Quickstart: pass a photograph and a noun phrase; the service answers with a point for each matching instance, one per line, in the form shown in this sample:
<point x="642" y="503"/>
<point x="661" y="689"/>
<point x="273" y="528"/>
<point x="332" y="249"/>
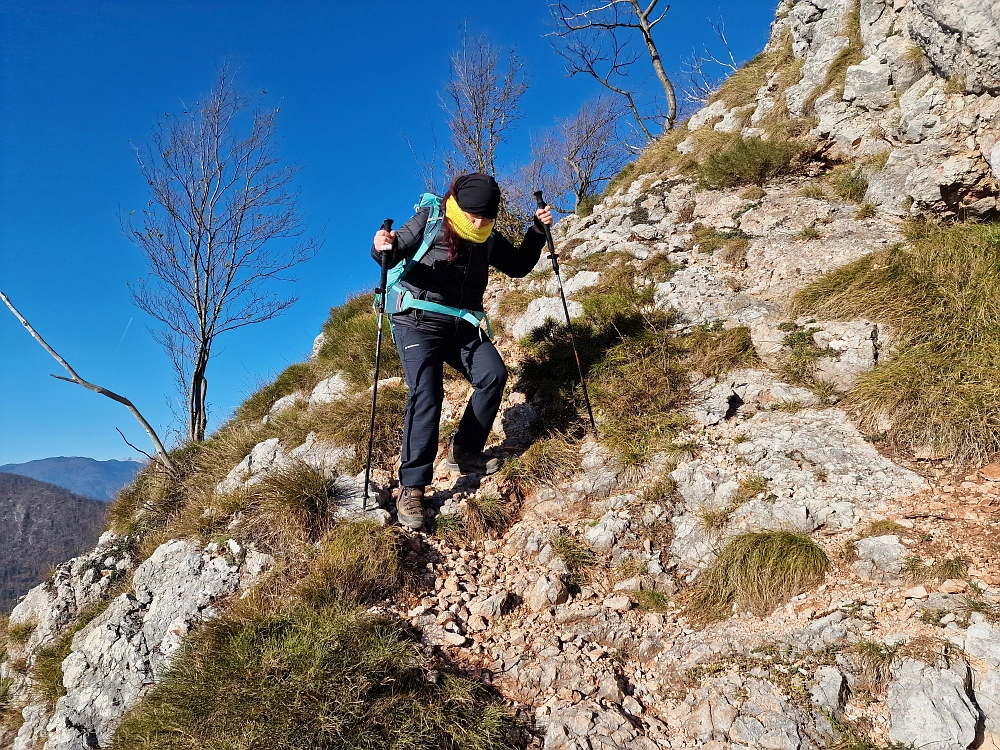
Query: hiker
<point x="438" y="319"/>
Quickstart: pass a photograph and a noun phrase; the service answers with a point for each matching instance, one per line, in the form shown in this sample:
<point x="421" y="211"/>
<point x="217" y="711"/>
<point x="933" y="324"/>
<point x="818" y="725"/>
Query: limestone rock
<point x="961" y="38"/>
<point x="880" y="558"/>
<point x="546" y="592"/>
<point x="119" y="656"/>
<point x="542" y="309"/>
<point x="332" y="389"/>
<point x="930" y="708"/>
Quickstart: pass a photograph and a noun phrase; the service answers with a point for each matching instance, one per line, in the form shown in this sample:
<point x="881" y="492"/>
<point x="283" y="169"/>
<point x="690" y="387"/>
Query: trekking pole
<point x="380" y="291"/>
<point x="569" y="326"/>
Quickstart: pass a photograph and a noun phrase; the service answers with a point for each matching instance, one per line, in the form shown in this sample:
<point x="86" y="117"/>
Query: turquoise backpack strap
<point x="431" y="229"/>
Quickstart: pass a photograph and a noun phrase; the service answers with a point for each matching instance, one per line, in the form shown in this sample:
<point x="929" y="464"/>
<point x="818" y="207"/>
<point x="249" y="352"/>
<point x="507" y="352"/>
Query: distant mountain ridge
<point x="83" y="476"/>
<point x="42" y="525"/>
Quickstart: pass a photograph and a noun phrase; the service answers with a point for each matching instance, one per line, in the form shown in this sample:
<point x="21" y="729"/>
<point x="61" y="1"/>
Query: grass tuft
<point x="311" y="678"/>
<point x="758" y="571"/>
<point x="850" y="185"/>
<point x="546" y="459"/>
<point x="349" y="344"/>
<point x="748" y="161"/>
<point x="939" y="389"/>
<point x="358" y="563"/>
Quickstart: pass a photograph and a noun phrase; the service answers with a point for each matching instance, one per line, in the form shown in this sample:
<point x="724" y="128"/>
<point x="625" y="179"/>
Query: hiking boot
<point x="410" y="507"/>
<point x="470" y="463"/>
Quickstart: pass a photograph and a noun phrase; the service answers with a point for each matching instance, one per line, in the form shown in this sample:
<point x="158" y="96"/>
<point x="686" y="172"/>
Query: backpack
<point x="406" y="300"/>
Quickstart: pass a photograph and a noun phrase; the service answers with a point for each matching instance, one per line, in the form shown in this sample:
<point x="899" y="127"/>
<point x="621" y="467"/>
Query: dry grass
<point x="940" y="387"/>
<point x="546" y="459"/>
<point x="18" y="633"/>
<point x="866" y="211"/>
<point x="487" y="515"/>
<point x="881" y="527"/>
<point x="714" y="351"/>
<point x="809" y="232"/>
<point x="578" y="559"/>
<point x="345" y="423"/>
<point x="758" y="571"/>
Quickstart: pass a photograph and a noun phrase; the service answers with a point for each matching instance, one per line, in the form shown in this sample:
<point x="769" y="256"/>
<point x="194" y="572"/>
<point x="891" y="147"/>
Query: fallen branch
<point x="161" y="452"/>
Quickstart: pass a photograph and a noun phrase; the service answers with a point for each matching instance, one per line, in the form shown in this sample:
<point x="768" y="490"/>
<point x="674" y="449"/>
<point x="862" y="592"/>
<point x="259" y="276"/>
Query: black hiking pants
<point x="426" y="342"/>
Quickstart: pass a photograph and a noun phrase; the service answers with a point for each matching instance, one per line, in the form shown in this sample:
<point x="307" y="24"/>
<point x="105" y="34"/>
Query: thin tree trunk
<point x="647" y="35"/>
<point x="161" y="452"/>
<point x="197" y="403"/>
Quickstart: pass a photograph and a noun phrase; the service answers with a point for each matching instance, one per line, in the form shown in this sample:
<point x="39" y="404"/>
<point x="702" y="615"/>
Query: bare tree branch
<point x="599" y="40"/>
<point x="482" y="101"/>
<point x="161" y="452"/>
<point x="701" y="82"/>
<point x="221" y="224"/>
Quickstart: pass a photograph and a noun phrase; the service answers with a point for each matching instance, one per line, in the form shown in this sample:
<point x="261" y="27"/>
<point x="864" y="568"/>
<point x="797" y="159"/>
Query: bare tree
<point x="482" y="102"/>
<point x="600" y="40"/>
<point x="222" y="222"/>
<point x="575" y="159"/>
<point x="161" y="453"/>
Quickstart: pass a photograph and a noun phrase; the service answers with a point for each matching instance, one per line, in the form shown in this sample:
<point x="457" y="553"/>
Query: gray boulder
<point x="880" y="558"/>
<point x="930" y="709"/>
<point x="542" y="309"/>
<point x="961" y="38"/>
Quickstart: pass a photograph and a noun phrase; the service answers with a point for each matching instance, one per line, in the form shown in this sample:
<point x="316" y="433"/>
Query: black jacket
<point x="462" y="282"/>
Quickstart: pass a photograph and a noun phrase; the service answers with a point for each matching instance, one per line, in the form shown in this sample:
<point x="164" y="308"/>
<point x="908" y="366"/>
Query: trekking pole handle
<point x="384" y="252"/>
<point x="548" y="232"/>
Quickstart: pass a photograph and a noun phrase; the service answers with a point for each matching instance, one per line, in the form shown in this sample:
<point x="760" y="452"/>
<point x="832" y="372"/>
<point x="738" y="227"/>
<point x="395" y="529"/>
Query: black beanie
<point x="478" y="194"/>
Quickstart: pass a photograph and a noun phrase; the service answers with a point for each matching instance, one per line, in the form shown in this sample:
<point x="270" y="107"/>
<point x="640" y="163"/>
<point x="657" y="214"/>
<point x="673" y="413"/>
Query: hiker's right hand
<point x="383" y="238"/>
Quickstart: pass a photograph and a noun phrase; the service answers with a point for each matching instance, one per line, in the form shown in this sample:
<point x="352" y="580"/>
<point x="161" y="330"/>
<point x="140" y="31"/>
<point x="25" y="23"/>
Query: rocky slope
<point x="43" y="524"/>
<point x="581" y="610"/>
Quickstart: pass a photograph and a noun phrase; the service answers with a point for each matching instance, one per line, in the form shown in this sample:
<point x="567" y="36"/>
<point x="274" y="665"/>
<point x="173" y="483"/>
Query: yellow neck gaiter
<point x="463" y="225"/>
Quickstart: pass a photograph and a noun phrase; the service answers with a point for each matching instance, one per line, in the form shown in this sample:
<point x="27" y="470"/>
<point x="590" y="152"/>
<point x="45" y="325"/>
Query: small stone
<point x="953" y="586"/>
<point x="618" y="603"/>
<point x="990" y="472"/>
<point x="917" y="592"/>
<point x="631" y="705"/>
<point x="453" y="639"/>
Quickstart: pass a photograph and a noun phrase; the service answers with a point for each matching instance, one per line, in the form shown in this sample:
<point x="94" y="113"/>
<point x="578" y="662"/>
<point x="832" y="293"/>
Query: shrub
<point x="310" y="678"/>
<point x="940" y="387"/>
<point x="749" y="161"/>
<point x="758" y="570"/>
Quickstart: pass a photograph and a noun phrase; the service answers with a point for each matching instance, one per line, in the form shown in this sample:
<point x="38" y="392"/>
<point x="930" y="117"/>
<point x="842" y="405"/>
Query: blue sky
<point x="79" y="81"/>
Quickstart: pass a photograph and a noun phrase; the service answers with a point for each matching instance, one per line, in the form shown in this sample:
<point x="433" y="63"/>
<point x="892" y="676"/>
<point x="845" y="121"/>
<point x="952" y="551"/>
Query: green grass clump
<point x="850" y="185"/>
<point x="359" y="562"/>
<point x="349" y="344"/>
<point x="652" y="601"/>
<point x="307" y="678"/>
<point x="578" y="558"/>
<point x="487" y="515"/>
<point x="749" y="161"/>
<point x="866" y="211"/>
<point x="759" y="571"/>
<point x="939" y="387"/>
<point x="544" y="460"/>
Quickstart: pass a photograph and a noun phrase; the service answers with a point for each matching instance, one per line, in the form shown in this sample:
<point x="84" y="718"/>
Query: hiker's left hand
<point x="544" y="215"/>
